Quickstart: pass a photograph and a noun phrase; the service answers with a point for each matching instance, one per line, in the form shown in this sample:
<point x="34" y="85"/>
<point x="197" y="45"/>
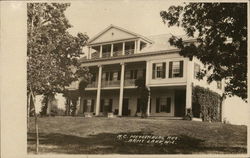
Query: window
<point x="106" y="105"/>
<point x="175" y="69"/>
<point x="88" y="105"/>
<point x="133" y="74"/>
<point x="159" y="70"/>
<point x="163" y="105"/>
<point x="93" y="79"/>
<point x="219" y="85"/>
<point x="108" y="76"/>
<point x="196" y="70"/>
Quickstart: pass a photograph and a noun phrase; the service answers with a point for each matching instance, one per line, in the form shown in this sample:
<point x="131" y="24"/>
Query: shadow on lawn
<point x="107" y="143"/>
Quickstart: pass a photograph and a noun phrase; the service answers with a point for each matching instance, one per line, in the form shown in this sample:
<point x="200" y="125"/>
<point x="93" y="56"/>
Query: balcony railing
<point x="111" y="83"/>
<point x="117" y="53"/>
<point x="106" y="54"/>
<point x="129" y="82"/>
<point x="92" y="85"/>
<point x="95" y="55"/>
<point x="129" y="51"/>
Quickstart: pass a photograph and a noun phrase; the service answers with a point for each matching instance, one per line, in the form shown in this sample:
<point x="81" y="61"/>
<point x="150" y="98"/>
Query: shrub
<point x="206" y="104"/>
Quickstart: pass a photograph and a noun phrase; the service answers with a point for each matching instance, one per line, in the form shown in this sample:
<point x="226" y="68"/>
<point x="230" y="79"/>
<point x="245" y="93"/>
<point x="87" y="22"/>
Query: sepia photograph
<point x="142" y="77"/>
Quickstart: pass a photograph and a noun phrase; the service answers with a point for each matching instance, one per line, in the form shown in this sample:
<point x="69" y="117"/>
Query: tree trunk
<point x="28" y="110"/>
<point x="36" y="124"/>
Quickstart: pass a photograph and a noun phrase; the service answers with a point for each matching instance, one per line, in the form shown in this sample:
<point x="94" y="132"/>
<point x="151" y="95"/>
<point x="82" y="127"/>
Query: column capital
<point x="99" y="65"/>
<point x="122" y="63"/>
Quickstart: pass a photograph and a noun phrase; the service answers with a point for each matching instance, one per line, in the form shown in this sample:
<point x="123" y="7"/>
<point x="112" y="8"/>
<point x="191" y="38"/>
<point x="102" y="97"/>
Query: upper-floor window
<point x="196" y="70"/>
<point x="175" y="69"/>
<point x="112" y="76"/>
<point x="159" y="70"/>
<point x="133" y="74"/>
<point x="93" y="79"/>
<point x="116" y="76"/>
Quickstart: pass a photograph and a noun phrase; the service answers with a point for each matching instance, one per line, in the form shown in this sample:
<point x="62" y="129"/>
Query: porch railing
<point x="106" y="54"/>
<point x="117" y="53"/>
<point x="129" y="82"/>
<point x="92" y="85"/>
<point x="129" y="51"/>
<point x="111" y="83"/>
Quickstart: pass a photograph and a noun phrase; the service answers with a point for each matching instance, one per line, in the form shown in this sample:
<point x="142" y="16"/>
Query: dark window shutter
<point x="93" y="77"/>
<point x="107" y="76"/>
<point x="131" y="74"/>
<point x="170" y="69"/>
<point x="144" y="73"/>
<point x="181" y="68"/>
<point x="153" y="72"/>
<point x="101" y="108"/>
<point x="157" y="105"/>
<point x="168" y="104"/>
<point x="150" y="105"/>
<point x="163" y="70"/>
<point x="119" y="75"/>
<point x="84" y="105"/>
<point x="110" y="105"/>
<point x="135" y="75"/>
<point x="111" y="76"/>
<point x="92" y="105"/>
<point x="81" y="106"/>
<point x="138" y="105"/>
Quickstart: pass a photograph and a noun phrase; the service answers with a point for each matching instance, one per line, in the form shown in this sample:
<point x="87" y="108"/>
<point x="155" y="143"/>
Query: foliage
<point x="143" y="94"/>
<point x="209" y="103"/>
<point x="53" y="53"/>
<point x="220" y="30"/>
<point x="189" y="115"/>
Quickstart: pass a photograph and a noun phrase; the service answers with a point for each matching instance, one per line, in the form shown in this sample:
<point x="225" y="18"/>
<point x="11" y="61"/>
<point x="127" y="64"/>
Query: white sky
<point x="139" y="16"/>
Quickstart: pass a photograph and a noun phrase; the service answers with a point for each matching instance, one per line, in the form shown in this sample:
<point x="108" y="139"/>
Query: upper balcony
<point x="115" y="49"/>
<point x="114" y="42"/>
<point x="111" y="75"/>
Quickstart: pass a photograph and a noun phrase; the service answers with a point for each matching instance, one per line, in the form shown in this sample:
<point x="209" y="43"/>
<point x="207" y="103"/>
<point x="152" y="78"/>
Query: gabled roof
<point x="121" y="29"/>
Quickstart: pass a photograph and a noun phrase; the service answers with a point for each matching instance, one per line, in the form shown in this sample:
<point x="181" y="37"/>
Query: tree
<point x="52" y="52"/>
<point x="143" y="95"/>
<point x="220" y="30"/>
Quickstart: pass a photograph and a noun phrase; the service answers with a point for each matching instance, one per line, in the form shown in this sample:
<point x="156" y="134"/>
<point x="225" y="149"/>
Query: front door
<point x="180" y="101"/>
<point x="125" y="110"/>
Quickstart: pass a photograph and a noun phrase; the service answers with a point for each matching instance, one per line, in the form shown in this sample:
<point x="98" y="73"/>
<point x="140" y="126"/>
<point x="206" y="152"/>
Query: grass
<point x="78" y="135"/>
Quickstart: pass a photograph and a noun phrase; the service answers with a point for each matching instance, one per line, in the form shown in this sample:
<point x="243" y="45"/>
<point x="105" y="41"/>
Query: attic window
<point x="112" y="33"/>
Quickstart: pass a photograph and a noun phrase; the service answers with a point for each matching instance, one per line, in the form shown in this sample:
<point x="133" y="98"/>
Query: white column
<point x="98" y="96"/>
<point x="78" y="106"/>
<point x="189" y="84"/>
<point x="89" y="54"/>
<point x="123" y="48"/>
<point x="121" y="88"/>
<point x="138" y="45"/>
<point x="100" y="51"/>
<point x="148" y="72"/>
<point x="112" y="49"/>
<point x="135" y="49"/>
<point x="148" y="107"/>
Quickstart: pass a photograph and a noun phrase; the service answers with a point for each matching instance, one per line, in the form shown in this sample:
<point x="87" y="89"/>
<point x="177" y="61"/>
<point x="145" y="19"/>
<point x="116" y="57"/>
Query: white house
<point x="117" y="57"/>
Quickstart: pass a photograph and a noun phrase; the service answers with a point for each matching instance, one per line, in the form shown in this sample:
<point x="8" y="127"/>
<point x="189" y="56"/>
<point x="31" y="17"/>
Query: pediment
<point x="112" y="33"/>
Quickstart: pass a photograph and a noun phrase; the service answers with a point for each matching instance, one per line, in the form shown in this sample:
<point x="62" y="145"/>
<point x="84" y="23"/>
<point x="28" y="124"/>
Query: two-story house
<point x="117" y="57"/>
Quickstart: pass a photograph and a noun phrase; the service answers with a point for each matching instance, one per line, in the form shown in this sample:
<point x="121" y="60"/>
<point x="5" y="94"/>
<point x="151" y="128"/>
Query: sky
<point x="139" y="16"/>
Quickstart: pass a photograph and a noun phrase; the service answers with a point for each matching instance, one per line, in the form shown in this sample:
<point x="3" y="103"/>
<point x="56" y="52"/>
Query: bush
<point x="206" y="104"/>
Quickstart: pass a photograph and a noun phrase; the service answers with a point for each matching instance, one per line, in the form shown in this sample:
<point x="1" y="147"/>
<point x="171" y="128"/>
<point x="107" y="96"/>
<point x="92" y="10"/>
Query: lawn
<point x="78" y="135"/>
